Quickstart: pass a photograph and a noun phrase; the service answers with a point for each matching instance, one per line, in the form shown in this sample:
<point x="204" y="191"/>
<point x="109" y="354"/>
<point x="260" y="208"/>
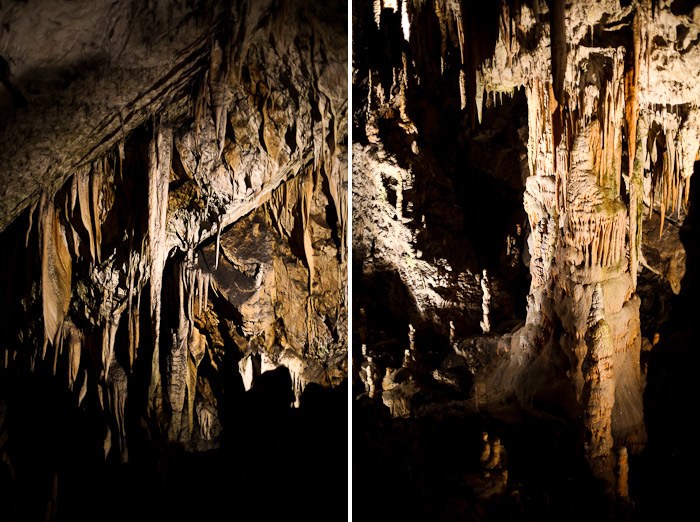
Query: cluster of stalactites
<point x="70" y="230"/>
<point x="670" y="148"/>
<point x="187" y="348"/>
<point x="292" y="199"/>
<point x="70" y="233"/>
<point x="599" y="237"/>
<point x="607" y="148"/>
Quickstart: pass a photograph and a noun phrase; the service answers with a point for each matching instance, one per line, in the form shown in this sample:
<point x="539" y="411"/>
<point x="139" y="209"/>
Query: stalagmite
<point x="117" y="385"/>
<point x="245" y="368"/>
<point x="485" y="303"/>
<point x="599" y="392"/>
<point x="621" y="487"/>
<point x="369" y="375"/>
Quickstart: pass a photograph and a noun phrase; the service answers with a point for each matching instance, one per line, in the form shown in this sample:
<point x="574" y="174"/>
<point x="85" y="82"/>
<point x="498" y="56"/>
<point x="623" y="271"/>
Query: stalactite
<point x="56" y="272"/>
<point x="541" y="150"/>
<point x="83" y="389"/>
<point x="117" y="246"/>
<point x="558" y="48"/>
<point x="295" y="365"/>
<point x="136" y="267"/>
<point x="667" y="161"/>
<point x="71" y="202"/>
<point x="609" y="154"/>
<point x="109" y="336"/>
<point x="633" y="150"/>
<point x="160" y="150"/>
<point x="218" y="245"/>
<point x="96" y="182"/>
<point x="84" y="201"/>
<point x="377" y="8"/>
<point x="600" y="233"/>
<point x="405" y="21"/>
<point x="220" y="87"/>
<point x="205" y="418"/>
<point x="117" y="389"/>
<point x="74" y="339"/>
<point x="32" y="210"/>
<point x="306" y="202"/>
<point x="188" y="345"/>
<point x="463" y="91"/>
<point x="266" y="363"/>
<point x="338" y="189"/>
<point x="479" y="94"/>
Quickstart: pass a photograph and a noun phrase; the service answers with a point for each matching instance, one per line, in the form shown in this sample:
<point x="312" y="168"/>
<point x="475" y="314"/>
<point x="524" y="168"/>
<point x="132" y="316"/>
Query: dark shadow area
<point x="276" y="461"/>
<point x="428" y="468"/>
<point x="662" y="479"/>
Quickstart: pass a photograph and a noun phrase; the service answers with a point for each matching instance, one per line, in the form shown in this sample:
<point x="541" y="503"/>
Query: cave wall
<point x="174" y="201"/>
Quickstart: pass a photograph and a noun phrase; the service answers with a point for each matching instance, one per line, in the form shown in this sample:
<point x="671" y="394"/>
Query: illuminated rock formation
<point x="603" y="156"/>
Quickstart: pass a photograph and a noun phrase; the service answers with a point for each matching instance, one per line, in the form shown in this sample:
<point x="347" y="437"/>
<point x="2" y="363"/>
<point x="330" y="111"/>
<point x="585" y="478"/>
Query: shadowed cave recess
<point x="524" y="256"/>
<point x="173" y="187"/>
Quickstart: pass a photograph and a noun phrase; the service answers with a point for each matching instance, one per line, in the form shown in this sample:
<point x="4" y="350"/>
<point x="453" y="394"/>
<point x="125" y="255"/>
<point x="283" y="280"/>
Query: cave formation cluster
<point x="582" y="118"/>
